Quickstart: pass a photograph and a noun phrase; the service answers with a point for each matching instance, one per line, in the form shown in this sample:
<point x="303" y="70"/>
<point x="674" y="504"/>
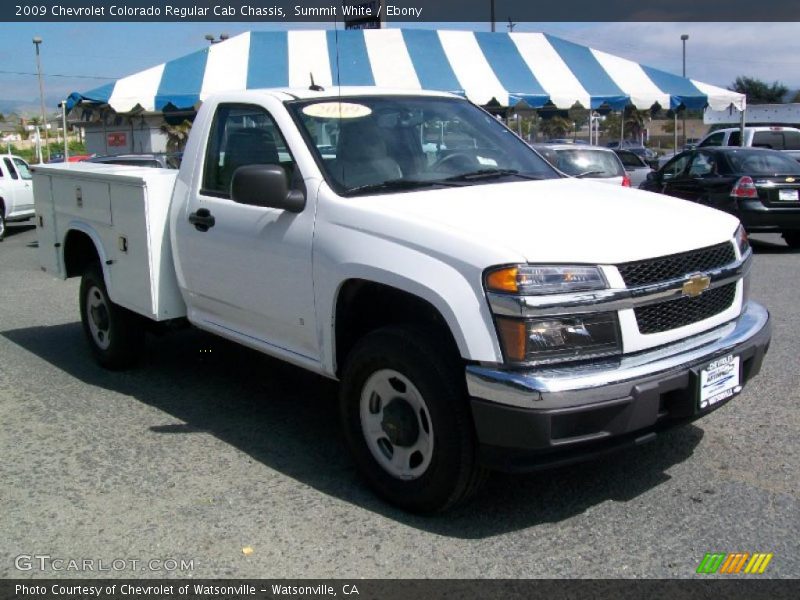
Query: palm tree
<point x="176" y="135"/>
<point x="556" y="127"/>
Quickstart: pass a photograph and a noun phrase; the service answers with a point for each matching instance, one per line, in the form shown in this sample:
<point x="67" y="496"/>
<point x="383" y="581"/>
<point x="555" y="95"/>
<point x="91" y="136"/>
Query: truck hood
<point x="563" y="220"/>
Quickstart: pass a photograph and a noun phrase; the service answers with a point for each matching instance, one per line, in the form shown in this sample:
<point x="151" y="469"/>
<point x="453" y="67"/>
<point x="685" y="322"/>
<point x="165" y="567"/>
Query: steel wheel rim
<point x="98" y="318"/>
<point x="406" y="460"/>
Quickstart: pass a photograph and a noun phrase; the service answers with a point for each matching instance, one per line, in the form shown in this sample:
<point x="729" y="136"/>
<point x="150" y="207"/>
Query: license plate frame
<point x="718" y="381"/>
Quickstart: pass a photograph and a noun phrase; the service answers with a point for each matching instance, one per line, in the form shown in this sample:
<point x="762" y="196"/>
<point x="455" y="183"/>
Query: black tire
<point x="2" y="223"/>
<point x="118" y="337"/>
<point x="452" y="473"/>
<point x="792" y="239"/>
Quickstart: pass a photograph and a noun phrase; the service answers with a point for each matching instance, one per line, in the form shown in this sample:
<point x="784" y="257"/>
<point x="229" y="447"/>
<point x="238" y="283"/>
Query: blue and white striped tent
<point x="509" y="68"/>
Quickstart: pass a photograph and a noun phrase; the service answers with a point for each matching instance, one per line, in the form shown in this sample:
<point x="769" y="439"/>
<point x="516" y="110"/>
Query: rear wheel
<point x="115" y="334"/>
<point x="407" y="422"/>
<point x="792" y="238"/>
<point x="2" y="223"/>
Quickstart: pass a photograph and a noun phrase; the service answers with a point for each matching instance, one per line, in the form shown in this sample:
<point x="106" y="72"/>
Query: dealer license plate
<point x="787" y="195"/>
<point x="719" y="381"/>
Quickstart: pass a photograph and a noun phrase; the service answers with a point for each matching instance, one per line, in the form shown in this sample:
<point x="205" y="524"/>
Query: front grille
<point x="655" y="270"/>
<point x="672" y="314"/>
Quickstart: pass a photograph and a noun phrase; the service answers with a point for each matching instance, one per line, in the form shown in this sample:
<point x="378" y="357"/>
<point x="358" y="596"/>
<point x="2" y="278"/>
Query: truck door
<point x="18" y="190"/>
<point x="673" y="173"/>
<point x="248" y="268"/>
<point x="24" y="197"/>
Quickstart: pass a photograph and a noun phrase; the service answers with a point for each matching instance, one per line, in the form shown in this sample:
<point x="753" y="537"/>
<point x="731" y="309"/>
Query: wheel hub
<point x="100" y="316"/>
<point x="400" y="423"/>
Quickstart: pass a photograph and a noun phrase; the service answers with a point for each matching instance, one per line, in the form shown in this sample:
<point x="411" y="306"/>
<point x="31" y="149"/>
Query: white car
<point x="590" y="162"/>
<point x="16" y="191"/>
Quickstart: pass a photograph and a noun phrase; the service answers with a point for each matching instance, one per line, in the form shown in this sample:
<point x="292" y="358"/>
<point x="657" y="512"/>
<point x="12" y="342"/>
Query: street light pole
<point x="684" y="37"/>
<point x="36" y="42"/>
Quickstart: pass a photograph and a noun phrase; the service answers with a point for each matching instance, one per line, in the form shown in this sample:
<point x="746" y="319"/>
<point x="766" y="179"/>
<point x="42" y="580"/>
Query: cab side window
<point x="23" y="169"/>
<point x="675" y="167"/>
<point x="11" y="170"/>
<point x="242" y="135"/>
<point x="715" y="139"/>
<point x="702" y="165"/>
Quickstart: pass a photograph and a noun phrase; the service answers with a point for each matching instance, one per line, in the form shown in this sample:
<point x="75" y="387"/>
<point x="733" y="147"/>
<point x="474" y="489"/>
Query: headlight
<point x="559" y="339"/>
<point x="544" y="279"/>
<point x="741" y="240"/>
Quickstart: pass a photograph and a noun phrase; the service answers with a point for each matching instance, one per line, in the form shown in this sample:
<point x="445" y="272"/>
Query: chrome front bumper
<point x="551" y="408"/>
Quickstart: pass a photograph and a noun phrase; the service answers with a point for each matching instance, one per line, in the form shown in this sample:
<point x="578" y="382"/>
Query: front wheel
<point x="407" y="422"/>
<point x="115" y="334"/>
<point x="792" y="239"/>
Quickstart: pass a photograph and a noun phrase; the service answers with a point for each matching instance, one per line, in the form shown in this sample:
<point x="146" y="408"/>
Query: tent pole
<point x="741" y="126"/>
<point x="64" y="121"/>
<point x="621" y="127"/>
<point x="675" y="130"/>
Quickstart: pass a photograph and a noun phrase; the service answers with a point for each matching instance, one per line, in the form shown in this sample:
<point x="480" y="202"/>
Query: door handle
<point x="202" y="219"/>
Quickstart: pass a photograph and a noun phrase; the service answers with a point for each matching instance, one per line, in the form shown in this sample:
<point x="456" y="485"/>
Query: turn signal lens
<point x="512" y="338"/>
<point x="503" y="280"/>
<point x="741" y="240"/>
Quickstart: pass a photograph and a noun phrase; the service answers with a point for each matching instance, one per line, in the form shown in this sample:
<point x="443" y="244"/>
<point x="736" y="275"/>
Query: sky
<point x="82" y="56"/>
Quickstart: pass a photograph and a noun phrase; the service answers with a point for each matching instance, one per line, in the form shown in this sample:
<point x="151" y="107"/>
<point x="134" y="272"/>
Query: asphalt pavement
<point x="232" y="463"/>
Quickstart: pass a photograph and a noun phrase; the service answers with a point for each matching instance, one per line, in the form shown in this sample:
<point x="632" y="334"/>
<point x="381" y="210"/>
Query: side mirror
<point x="651" y="176"/>
<point x="265" y="185"/>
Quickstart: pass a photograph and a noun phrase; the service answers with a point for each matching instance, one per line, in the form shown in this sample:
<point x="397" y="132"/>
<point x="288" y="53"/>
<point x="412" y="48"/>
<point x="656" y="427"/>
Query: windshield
<point x="380" y="143"/>
<point x="758" y="162"/>
<point x="588" y="162"/>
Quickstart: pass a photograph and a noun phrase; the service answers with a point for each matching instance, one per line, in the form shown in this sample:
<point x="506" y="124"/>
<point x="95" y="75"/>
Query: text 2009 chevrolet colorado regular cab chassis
<point x="480" y="309"/>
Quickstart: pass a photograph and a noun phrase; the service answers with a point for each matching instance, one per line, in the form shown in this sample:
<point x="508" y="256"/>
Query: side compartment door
<point x="248" y="268"/>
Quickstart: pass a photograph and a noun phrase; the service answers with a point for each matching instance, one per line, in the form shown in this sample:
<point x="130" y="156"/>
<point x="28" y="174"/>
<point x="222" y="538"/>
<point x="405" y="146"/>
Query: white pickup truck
<point x="480" y="309"/>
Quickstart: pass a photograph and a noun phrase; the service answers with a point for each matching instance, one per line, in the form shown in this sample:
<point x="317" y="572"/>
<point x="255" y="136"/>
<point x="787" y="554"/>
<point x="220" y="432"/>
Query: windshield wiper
<point x="587" y="173"/>
<point x="490" y="174"/>
<point x="396" y="184"/>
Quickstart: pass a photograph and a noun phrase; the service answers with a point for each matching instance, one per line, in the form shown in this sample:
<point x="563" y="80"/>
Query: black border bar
<point x="400" y="11"/>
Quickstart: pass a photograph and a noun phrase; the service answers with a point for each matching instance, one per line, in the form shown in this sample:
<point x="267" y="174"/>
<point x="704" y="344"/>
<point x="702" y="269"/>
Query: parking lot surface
<point x="209" y="448"/>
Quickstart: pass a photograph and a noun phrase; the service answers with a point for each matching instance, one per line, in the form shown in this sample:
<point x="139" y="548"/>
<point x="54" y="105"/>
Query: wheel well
<point x="2" y="205"/>
<point x="79" y="253"/>
<point x="363" y="306"/>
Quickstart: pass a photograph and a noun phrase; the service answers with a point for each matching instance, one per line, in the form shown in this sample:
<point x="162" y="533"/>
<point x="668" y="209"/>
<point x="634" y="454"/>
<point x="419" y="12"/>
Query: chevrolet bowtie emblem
<point x="790" y="180"/>
<point x="696" y="285"/>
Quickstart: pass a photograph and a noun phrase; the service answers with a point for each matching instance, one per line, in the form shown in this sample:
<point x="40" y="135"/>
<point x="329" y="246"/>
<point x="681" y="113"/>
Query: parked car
<point x="761" y="187"/>
<point x="16" y="191"/>
<point x="72" y="158"/>
<point x="774" y="137"/>
<point x="156" y="160"/>
<point x="635" y="166"/>
<point x="567" y="141"/>
<point x="590" y="162"/>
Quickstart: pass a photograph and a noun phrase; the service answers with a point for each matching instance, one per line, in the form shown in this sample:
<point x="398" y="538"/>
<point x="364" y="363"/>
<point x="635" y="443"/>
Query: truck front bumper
<point x="527" y="420"/>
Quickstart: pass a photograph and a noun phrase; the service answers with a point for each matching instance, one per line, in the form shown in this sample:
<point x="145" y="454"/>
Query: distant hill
<point x="28" y="107"/>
